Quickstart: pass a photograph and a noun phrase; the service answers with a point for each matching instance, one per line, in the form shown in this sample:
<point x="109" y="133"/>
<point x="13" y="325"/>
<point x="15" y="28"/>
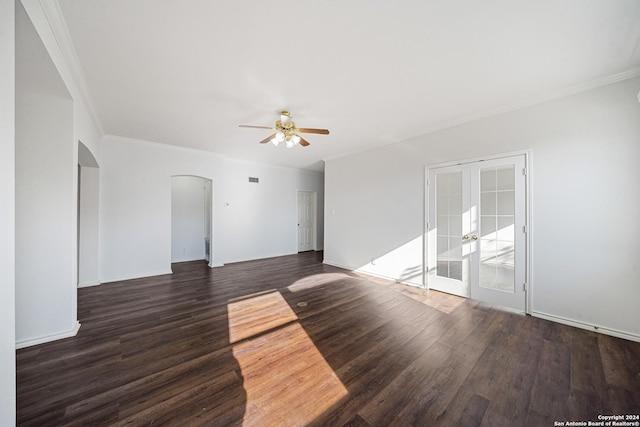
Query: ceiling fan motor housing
<point x="285" y="119"/>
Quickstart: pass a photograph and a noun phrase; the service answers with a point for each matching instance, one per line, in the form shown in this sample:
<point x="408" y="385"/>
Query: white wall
<point x="7" y="203"/>
<point x="187" y="218"/>
<point x="373" y="214"/>
<point x="250" y="221"/>
<point x="88" y="229"/>
<point x="45" y="16"/>
<point x="260" y="220"/>
<point x="46" y="203"/>
<point x="585" y="201"/>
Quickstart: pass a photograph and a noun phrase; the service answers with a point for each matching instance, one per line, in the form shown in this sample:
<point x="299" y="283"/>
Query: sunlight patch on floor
<point x="315" y="280"/>
<point x="253" y="316"/>
<point x="441" y="301"/>
<point x="286" y="379"/>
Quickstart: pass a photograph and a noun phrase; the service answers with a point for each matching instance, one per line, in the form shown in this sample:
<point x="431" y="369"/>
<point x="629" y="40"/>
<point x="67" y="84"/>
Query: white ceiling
<point x="374" y="72"/>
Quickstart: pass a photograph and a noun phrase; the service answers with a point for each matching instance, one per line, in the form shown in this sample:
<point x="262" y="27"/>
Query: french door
<point x="476" y="242"/>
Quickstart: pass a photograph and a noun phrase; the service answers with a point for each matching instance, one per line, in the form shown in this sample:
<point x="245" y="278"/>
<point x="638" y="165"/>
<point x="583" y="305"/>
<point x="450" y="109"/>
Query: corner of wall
<point x="49" y="337"/>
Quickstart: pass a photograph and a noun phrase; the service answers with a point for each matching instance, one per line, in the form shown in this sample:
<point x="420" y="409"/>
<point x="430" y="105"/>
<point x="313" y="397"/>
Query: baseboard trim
<point x="138" y="276"/>
<point x="394" y="279"/>
<point x="48" y="338"/>
<point x="333" y="264"/>
<point x="594" y="328"/>
<point x="88" y="284"/>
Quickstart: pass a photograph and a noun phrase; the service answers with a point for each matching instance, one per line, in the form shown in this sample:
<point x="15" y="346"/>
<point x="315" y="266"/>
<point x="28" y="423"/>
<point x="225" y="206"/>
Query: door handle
<point x="465" y="237"/>
<point x="474" y="237"/>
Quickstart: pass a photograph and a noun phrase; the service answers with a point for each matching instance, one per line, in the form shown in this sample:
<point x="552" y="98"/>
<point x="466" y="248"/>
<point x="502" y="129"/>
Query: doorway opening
<point x="88" y="225"/>
<point x="191" y="219"/>
<point x="307" y="221"/>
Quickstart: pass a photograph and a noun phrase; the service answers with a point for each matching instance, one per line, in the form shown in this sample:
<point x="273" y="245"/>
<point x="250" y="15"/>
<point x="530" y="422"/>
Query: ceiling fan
<point x="287" y="132"/>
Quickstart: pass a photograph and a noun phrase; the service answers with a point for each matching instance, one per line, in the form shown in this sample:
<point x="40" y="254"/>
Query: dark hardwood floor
<point x="289" y="341"/>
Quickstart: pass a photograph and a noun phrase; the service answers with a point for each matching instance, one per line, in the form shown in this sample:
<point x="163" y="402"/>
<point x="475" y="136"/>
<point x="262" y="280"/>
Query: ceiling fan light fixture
<point x="287" y="132"/>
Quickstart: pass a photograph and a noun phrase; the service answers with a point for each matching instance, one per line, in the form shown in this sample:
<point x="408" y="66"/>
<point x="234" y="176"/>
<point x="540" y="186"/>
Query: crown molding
<point x="132" y="140"/>
<point x="55" y="19"/>
<point x="537" y="100"/>
<point x="530" y="102"/>
<point x="125" y="139"/>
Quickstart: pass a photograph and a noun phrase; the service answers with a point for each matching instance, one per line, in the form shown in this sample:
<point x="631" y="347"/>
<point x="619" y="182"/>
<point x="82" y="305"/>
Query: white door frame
<point x="528" y="286"/>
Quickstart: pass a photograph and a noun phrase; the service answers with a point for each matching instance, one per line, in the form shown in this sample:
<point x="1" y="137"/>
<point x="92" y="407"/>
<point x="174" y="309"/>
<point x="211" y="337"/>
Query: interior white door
<point x="477" y="231"/>
<point x="305" y="221"/>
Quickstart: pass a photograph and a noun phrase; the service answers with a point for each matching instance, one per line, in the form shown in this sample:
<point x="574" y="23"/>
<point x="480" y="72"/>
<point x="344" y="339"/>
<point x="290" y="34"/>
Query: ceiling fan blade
<point x="267" y="139"/>
<point x="256" y="127"/>
<point x="309" y="130"/>
<point x="303" y="142"/>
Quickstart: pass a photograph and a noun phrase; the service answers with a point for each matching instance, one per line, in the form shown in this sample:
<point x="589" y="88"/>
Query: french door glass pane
<point x="449" y="225"/>
<point x="497" y="228"/>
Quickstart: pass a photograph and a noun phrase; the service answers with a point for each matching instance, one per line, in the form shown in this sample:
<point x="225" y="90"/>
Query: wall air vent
<point x="252" y="179"/>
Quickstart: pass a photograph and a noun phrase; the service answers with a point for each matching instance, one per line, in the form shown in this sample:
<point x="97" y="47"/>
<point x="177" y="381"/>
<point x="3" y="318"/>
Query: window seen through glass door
<point x="449" y="225"/>
<point x="497" y="228"/>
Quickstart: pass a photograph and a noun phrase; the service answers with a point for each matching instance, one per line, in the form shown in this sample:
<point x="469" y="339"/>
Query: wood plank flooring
<point x="289" y="341"/>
